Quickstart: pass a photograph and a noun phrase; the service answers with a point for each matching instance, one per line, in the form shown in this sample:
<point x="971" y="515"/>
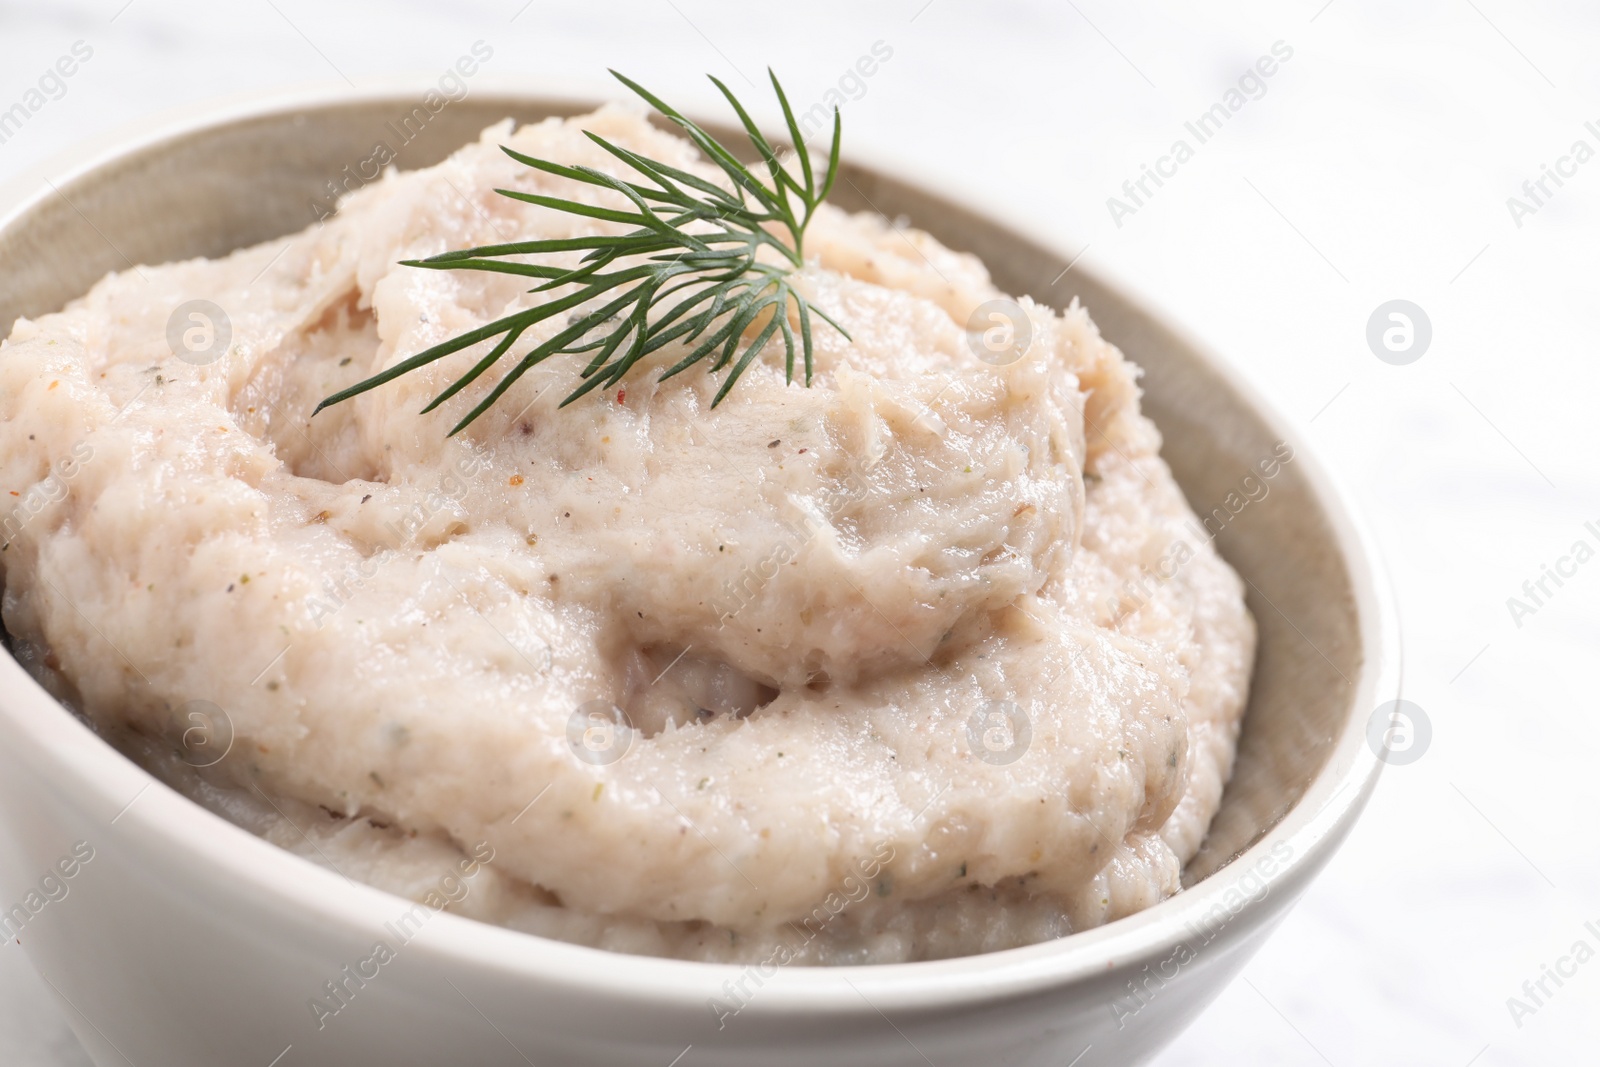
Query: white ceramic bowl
<point x="186" y="941"/>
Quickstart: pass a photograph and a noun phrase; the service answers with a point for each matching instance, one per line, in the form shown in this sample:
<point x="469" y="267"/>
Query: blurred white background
<point x="1376" y="165"/>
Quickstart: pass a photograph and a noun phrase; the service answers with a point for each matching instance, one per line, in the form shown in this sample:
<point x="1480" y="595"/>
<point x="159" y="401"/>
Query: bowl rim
<point x="99" y="780"/>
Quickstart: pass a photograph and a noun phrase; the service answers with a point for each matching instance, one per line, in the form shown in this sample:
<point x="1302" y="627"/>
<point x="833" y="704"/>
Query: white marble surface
<point x="1377" y="165"/>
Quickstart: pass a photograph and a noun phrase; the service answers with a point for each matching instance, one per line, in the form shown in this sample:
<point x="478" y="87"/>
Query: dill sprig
<point x="688" y="272"/>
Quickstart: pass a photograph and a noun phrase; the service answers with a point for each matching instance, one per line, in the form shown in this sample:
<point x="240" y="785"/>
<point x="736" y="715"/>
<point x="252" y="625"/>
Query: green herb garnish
<point x="695" y="241"/>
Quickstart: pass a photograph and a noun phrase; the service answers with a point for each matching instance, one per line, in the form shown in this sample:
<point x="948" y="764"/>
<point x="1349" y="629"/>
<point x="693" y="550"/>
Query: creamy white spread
<point x="909" y="669"/>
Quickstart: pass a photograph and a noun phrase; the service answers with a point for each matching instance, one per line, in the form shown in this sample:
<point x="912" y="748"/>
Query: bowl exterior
<point x="164" y="959"/>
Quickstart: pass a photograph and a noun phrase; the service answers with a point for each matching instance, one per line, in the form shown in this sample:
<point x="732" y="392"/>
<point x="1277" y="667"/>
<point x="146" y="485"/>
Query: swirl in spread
<point x="851" y="668"/>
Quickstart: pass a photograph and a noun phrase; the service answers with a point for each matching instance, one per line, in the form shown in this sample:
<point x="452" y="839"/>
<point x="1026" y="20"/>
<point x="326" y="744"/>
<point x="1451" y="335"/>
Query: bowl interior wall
<point x="208" y="192"/>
